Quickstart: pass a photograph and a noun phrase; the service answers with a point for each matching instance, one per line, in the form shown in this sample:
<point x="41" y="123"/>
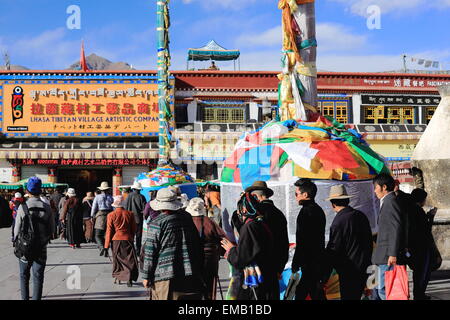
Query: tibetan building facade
<point x="83" y="128"/>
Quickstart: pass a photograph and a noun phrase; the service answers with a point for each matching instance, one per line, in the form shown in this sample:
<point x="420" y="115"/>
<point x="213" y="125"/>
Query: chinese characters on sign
<point x="84" y="108"/>
<point x="90" y="162"/>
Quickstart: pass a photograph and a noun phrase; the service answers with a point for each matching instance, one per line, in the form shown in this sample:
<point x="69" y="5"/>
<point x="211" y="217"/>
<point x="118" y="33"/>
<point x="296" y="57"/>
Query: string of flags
<point x="426" y="63"/>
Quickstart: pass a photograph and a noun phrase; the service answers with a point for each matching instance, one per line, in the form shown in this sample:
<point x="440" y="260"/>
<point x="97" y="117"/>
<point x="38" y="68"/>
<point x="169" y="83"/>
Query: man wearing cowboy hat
<point x="172" y="265"/>
<point x="275" y="220"/>
<point x="349" y="249"/>
<point x="135" y="203"/>
<point x="101" y="206"/>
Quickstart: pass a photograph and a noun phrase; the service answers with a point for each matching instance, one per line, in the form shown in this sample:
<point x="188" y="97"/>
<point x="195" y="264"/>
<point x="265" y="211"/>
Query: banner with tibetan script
<point x="80" y="108"/>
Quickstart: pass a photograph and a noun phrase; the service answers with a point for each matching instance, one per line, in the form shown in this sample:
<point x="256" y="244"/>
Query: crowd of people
<point x="175" y="244"/>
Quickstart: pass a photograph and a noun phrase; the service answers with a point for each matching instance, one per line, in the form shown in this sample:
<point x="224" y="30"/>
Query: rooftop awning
<point x="212" y="51"/>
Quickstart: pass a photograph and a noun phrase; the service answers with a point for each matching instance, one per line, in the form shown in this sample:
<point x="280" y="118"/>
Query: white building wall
<point x="192" y="111"/>
<point x="356" y="103"/>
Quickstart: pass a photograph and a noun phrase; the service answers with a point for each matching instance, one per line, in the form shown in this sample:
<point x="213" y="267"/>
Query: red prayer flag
<point x="334" y="154"/>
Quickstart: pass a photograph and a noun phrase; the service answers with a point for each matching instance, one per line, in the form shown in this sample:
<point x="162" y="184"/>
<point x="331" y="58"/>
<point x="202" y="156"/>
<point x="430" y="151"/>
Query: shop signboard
<point x="394" y="149"/>
<point x="83" y="108"/>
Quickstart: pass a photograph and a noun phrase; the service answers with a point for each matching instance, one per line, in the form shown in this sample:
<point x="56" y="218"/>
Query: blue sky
<point x="35" y="33"/>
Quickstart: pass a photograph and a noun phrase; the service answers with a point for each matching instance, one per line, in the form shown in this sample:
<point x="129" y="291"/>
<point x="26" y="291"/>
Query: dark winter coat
<point x="310" y="237"/>
<point x="350" y="246"/>
<point x="277" y="223"/>
<point x="255" y="246"/>
<point x="135" y="203"/>
<point x="73" y="215"/>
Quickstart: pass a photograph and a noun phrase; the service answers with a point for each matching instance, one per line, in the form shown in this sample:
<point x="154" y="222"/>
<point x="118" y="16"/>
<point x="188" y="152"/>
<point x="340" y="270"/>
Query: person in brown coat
<point x="87" y="220"/>
<point x="120" y="230"/>
<point x="210" y="235"/>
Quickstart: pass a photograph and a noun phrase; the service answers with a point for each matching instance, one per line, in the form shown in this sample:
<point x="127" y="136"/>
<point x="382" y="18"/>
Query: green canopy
<point x="212" y="51"/>
<point x="23" y="184"/>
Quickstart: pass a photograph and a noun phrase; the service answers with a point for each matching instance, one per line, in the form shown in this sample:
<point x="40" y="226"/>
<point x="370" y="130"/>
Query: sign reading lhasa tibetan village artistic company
<point x="80" y="108"/>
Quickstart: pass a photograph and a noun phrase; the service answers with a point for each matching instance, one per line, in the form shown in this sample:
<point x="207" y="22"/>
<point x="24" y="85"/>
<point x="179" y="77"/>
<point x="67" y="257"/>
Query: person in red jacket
<point x="120" y="231"/>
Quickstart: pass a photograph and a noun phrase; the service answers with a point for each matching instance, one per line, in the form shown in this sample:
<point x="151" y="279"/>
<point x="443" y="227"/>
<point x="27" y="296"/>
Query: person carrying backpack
<point x="32" y="232"/>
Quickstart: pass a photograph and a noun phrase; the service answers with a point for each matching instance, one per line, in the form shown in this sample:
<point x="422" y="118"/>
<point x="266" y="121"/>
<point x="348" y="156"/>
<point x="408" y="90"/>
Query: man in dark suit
<point x="310" y="242"/>
<point x="390" y="239"/>
<point x="349" y="249"/>
<point x="275" y="220"/>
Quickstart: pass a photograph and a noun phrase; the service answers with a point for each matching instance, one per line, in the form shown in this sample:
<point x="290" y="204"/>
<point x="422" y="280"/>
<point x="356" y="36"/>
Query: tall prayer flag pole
<point x="297" y="90"/>
<point x="165" y="114"/>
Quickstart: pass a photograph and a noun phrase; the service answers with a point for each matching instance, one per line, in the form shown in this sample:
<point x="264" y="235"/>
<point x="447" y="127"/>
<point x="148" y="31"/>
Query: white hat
<point x="17" y="195"/>
<point x="166" y="199"/>
<point x="136" y="185"/>
<point x="71" y="192"/>
<point x="338" y="192"/>
<point x="118" y="202"/>
<point x="104" y="186"/>
<point x="196" y="207"/>
<point x="175" y="189"/>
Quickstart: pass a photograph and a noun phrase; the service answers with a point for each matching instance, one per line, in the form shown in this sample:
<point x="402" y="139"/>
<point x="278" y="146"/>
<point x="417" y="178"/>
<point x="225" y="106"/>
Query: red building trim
<point x="267" y="81"/>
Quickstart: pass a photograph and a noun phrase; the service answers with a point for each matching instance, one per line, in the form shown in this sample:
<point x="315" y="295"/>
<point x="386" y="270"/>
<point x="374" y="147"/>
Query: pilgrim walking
<point x="310" y="240"/>
<point x="100" y="209"/>
<point x="87" y="220"/>
<point x="72" y="217"/>
<point x="349" y="249"/>
<point x="254" y="254"/>
<point x="33" y="215"/>
<point x="275" y="220"/>
<point x="173" y="255"/>
<point x="136" y="203"/>
<point x="210" y="235"/>
<point x="389" y="250"/>
<point x="120" y="231"/>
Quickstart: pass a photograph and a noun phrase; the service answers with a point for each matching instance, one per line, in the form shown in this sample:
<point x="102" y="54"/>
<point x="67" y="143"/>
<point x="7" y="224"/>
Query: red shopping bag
<point x="396" y="283"/>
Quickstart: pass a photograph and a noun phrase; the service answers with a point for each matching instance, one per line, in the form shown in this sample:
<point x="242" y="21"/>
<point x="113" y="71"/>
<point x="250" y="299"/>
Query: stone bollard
<point x="432" y="156"/>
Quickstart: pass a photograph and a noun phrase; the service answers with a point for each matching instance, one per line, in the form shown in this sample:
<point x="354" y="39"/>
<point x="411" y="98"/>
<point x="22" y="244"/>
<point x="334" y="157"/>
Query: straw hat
<point x="71" y="192"/>
<point x="196" y="207"/>
<point x="260" y="185"/>
<point x="89" y="196"/>
<point x="338" y="192"/>
<point x="166" y="199"/>
<point x="104" y="186"/>
<point x="118" y="202"/>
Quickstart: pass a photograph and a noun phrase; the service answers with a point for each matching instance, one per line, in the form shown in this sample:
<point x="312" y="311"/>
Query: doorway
<point x="84" y="180"/>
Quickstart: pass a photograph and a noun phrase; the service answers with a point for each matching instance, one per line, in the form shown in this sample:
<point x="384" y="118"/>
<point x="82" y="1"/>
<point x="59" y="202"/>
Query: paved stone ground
<point x="96" y="279"/>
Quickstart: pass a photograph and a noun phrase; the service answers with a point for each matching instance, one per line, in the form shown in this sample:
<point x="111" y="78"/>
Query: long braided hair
<point x="248" y="207"/>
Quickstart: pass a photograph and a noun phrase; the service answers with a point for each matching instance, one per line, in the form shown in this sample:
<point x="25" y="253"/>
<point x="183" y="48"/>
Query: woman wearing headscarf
<point x="254" y="254"/>
<point x="87" y="219"/>
<point x="120" y="231"/>
<point x="72" y="216"/>
<point x="210" y="235"/>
